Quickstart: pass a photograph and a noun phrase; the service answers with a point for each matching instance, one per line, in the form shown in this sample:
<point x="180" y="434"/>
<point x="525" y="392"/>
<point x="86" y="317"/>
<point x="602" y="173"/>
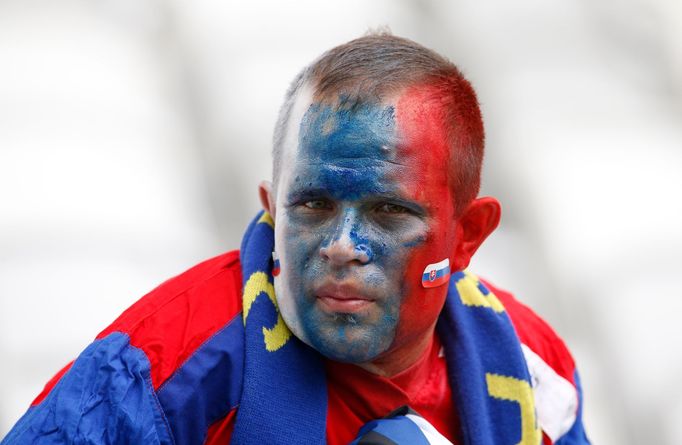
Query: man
<point x="354" y="317"/>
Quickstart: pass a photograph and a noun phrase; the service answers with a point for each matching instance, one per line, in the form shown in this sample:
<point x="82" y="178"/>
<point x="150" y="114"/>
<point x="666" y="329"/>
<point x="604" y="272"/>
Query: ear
<point x="473" y="227"/>
<point x="267" y="199"/>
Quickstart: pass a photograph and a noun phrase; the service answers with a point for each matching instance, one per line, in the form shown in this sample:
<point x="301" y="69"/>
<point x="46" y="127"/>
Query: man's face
<point x="363" y="205"/>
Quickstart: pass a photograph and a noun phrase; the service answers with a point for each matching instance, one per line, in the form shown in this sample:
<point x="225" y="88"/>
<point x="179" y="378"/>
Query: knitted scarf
<point x="284" y="395"/>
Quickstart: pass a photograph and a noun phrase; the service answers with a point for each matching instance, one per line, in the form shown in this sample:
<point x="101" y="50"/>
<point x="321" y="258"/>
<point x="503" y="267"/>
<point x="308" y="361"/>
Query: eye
<point x="392" y="208"/>
<point x="318" y="204"/>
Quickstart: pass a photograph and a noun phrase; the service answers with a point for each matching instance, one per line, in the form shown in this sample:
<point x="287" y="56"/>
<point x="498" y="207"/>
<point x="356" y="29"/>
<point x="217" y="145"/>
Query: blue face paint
<point x="350" y="132"/>
<point x="348" y="228"/>
<point x="349" y="145"/>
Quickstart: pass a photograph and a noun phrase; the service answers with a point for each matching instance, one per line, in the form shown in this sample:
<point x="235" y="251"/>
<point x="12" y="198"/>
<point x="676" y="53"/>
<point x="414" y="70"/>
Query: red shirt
<point x="356" y="396"/>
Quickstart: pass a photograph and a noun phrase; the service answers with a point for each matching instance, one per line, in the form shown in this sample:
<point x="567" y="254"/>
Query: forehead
<point x="334" y="131"/>
<point x="322" y="130"/>
<point x="395" y="147"/>
<point x="396" y="127"/>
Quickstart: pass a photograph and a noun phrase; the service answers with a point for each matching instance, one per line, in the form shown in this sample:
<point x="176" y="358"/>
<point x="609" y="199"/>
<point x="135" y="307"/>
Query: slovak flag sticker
<point x="275" y="264"/>
<point x="436" y="274"/>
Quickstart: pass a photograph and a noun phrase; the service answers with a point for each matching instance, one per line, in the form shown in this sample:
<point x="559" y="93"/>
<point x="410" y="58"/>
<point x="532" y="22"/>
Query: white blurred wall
<point x="133" y="134"/>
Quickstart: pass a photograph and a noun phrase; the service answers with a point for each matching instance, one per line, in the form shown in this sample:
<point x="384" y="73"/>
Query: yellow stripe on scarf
<point x="471" y="295"/>
<point x="519" y="391"/>
<point x="279" y="334"/>
<point x="266" y="219"/>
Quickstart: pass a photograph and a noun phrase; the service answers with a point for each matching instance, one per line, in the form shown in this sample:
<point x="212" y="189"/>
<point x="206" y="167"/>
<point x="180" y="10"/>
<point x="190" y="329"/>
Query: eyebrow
<point x="302" y="192"/>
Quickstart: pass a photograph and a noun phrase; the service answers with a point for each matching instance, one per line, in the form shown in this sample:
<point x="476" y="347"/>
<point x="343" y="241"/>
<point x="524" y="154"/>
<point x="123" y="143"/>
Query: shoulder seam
<point x="198" y="348"/>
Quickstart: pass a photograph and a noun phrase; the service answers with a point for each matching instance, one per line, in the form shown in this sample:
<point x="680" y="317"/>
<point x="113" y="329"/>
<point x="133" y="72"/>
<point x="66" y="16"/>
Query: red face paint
<point x="425" y="149"/>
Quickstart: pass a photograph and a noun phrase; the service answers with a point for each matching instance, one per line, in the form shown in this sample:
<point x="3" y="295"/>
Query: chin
<point x="347" y="340"/>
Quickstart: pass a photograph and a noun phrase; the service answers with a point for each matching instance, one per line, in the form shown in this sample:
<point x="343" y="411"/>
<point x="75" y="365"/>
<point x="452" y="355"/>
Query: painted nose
<point x="346" y="246"/>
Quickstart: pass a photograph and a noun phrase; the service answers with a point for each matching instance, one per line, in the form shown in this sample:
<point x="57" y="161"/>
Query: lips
<point x="343" y="298"/>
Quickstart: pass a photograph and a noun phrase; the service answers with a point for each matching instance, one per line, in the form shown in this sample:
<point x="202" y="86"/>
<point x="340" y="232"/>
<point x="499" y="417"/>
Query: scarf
<point x="284" y="394"/>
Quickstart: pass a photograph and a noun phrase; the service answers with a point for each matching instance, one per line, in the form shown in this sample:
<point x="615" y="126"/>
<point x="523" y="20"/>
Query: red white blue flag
<point x="436" y="274"/>
<point x="275" y="264"/>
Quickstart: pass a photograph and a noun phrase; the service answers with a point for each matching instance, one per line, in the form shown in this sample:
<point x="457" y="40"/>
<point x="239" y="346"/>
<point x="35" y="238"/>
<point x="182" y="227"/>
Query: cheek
<point x="417" y="294"/>
<point x="293" y="247"/>
<point x="421" y="306"/>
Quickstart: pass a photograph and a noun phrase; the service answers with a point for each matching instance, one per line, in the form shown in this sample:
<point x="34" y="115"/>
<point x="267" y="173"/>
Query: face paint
<point x="275" y="264"/>
<point x="362" y="205"/>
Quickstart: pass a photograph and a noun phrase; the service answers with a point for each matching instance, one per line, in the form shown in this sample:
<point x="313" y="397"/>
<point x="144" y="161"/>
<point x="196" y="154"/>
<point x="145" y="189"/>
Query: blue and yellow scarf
<point x="284" y="396"/>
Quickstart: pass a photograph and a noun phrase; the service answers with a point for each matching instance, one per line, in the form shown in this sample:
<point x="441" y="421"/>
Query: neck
<point x="396" y="360"/>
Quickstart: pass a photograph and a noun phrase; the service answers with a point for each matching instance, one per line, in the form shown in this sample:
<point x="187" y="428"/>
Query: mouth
<point x="343" y="298"/>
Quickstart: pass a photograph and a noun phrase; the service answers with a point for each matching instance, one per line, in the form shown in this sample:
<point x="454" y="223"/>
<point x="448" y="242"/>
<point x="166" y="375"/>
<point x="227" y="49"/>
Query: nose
<point x="346" y="245"/>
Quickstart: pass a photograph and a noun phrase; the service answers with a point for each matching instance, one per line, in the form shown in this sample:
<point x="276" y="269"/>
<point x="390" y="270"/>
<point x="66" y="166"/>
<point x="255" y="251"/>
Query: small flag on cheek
<point x="436" y="274"/>
<point x="275" y="264"/>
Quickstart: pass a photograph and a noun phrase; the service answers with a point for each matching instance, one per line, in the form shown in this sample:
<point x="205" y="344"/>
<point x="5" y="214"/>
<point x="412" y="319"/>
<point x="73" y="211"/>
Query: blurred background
<point x="133" y="134"/>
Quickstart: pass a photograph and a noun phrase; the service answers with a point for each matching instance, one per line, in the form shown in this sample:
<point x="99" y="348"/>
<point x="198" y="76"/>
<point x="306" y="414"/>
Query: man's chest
<point x="356" y="397"/>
